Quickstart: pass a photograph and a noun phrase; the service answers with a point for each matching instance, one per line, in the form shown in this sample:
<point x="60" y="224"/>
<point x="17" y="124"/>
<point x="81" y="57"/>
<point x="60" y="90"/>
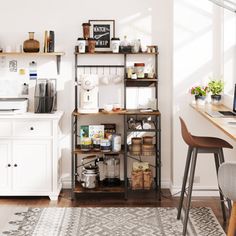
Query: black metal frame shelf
<point x="155" y="118"/>
<point x="100" y="189"/>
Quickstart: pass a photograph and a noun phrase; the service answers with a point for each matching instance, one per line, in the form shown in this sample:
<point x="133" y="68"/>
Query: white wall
<point x="202" y="48"/>
<point x="149" y="20"/>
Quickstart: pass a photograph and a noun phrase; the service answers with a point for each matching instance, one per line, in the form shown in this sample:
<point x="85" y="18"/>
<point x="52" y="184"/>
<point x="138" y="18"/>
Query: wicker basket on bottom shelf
<point x="141" y="179"/>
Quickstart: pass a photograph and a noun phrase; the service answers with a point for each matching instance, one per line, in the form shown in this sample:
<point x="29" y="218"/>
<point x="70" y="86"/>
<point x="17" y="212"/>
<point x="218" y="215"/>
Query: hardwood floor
<point x="135" y="200"/>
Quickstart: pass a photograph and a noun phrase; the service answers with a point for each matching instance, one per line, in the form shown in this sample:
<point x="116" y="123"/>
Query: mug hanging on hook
<point x="117" y="78"/>
<point x="104" y="79"/>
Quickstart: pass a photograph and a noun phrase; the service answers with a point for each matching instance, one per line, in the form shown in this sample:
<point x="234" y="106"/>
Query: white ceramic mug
<point x="117" y="79"/>
<point x="108" y="107"/>
<point x="104" y="79"/>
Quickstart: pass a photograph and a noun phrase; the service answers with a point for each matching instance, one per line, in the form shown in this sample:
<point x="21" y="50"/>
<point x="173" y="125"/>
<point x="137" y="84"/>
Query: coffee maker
<point x="89" y="94"/>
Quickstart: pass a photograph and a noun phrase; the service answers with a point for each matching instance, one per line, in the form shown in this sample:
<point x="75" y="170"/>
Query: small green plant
<point x="216" y="87"/>
<point x="199" y="91"/>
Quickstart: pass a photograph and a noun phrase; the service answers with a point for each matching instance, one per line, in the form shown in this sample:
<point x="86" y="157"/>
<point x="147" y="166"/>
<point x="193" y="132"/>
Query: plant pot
<point x="200" y="100"/>
<point x="216" y="99"/>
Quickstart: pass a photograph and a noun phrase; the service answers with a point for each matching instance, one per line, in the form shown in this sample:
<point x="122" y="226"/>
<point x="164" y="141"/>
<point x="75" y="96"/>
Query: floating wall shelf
<point x="40" y="54"/>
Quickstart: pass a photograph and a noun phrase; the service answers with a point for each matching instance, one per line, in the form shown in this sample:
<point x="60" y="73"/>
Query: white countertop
<point x="30" y="115"/>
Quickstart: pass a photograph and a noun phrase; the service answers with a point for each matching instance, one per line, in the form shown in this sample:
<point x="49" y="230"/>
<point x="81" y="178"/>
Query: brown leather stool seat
<point x="210" y="142"/>
<point x="198" y="144"/>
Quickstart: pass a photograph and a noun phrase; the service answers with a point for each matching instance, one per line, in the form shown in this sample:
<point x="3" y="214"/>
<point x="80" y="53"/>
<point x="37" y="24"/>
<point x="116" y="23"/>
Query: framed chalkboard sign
<point x="102" y="31"/>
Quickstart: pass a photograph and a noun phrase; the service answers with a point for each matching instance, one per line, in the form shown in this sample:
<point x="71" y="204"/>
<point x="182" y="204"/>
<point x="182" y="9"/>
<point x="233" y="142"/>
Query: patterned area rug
<point x="109" y="222"/>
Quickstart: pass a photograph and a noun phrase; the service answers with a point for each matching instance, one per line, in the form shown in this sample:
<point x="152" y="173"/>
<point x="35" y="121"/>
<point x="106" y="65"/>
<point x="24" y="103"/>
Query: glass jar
<point x="111" y="170"/>
<point x="116" y="142"/>
<point x="91" y="45"/>
<point x="96" y="143"/>
<point x="31" y="45"/>
<point x="136" y="46"/>
<point x="86" y="144"/>
<point x="139" y="70"/>
<point x="105" y="145"/>
<point x="86" y="30"/>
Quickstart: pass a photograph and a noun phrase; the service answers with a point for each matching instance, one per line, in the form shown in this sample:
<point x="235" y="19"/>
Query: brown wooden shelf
<point x="100" y="189"/>
<point x="32" y="53"/>
<point x="138" y="112"/>
<point x="141" y="80"/>
<point x="94" y="152"/>
<point x="122" y="112"/>
<point x="119" y="53"/>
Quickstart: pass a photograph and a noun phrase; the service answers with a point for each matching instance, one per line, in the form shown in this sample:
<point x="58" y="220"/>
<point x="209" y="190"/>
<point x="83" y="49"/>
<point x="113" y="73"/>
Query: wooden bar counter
<point x="223" y="123"/>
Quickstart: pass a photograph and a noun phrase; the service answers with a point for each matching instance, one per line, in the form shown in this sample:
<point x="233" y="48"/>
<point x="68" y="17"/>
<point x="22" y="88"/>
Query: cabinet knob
<point x="9" y="165"/>
<point x="31" y="128"/>
<point x="15" y="165"/>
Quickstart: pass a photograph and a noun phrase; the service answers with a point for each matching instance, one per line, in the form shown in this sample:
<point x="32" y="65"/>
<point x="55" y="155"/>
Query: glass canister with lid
<point x="111" y="170"/>
<point x="139" y="70"/>
<point x="105" y="145"/>
<point x="116" y="142"/>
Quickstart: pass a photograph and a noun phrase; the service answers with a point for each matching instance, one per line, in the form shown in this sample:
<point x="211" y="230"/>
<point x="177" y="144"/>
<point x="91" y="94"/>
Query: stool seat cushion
<point x="202" y="142"/>
<point x="210" y="142"/>
<point x="227" y="179"/>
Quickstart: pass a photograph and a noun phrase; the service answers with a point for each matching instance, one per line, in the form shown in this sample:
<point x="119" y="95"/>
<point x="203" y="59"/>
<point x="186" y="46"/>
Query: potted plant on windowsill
<point x="200" y="93"/>
<point x="216" y="87"/>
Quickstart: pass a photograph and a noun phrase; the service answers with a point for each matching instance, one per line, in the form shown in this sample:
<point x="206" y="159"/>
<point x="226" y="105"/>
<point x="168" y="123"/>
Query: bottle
<point x="31" y="45"/>
<point x="125" y="42"/>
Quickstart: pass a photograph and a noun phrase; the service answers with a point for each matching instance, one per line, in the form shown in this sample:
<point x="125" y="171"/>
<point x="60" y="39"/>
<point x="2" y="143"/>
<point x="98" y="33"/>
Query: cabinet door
<point x="31" y="166"/>
<point x="5" y="166"/>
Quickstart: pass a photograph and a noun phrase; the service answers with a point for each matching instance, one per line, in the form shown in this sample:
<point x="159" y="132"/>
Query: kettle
<point x="90" y="173"/>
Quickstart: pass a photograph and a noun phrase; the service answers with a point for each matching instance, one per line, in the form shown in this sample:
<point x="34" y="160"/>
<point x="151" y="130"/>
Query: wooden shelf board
<point x="137" y="112"/>
<point x="101" y="112"/>
<point x="100" y="189"/>
<point x="120" y="53"/>
<point x="141" y="80"/>
<point x="123" y="112"/>
<point x="79" y="151"/>
<point x="32" y="53"/>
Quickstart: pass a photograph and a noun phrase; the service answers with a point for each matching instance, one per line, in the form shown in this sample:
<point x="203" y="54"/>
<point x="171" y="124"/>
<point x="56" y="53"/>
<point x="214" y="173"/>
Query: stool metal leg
<point x="221" y="195"/>
<point x="191" y="178"/>
<point x="222" y="160"/>
<point x="185" y="178"/>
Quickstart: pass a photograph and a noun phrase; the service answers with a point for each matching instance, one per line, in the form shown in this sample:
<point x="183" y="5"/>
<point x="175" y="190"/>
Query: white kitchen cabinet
<point x="5" y="165"/>
<point x="30" y="155"/>
<point x="31" y="166"/>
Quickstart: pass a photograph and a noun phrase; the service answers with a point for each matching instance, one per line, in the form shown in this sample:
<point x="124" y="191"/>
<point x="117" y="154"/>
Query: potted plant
<point x="216" y="87"/>
<point x="200" y="93"/>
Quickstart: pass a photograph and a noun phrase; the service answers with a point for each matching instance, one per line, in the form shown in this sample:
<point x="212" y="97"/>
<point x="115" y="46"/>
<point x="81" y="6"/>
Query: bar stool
<point x="227" y="183"/>
<point x="197" y="144"/>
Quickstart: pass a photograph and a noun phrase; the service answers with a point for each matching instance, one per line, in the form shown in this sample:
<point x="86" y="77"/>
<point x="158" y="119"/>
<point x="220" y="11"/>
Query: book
<point x="84" y="132"/>
<point x="45" y="45"/>
<point x="51" y="41"/>
<point x="96" y="131"/>
<point x="109" y="129"/>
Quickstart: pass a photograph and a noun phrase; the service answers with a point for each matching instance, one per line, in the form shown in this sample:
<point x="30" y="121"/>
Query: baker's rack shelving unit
<point x="124" y="188"/>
